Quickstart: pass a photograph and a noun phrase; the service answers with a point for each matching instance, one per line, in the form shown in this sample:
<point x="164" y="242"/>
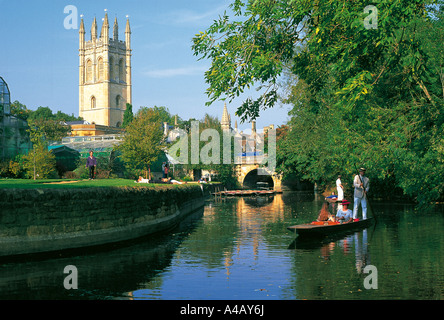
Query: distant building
<point x="86" y="129"/>
<point x="14" y="138"/>
<point x="105" y="75"/>
<point x="250" y="144"/>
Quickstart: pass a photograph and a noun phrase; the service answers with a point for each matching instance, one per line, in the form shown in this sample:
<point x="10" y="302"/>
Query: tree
<point x="51" y="130"/>
<point x="361" y="96"/>
<point x="45" y="113"/>
<point x="19" y="110"/>
<point x="143" y="140"/>
<point x="39" y="163"/>
<point x="314" y="37"/>
<point x="127" y="115"/>
<point x="209" y="150"/>
<point x="50" y="124"/>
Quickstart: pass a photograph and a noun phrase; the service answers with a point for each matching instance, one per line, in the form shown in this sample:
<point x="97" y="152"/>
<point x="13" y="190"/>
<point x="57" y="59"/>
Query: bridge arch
<point x="253" y="178"/>
<point x="248" y="176"/>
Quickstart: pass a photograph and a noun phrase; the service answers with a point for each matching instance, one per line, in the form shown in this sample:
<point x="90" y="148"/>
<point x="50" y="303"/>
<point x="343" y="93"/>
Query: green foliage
<point x="19" y="110"/>
<point x="40" y="163"/>
<point x="50" y="124"/>
<point x="361" y="97"/>
<point x="81" y="172"/>
<point x="12" y="168"/>
<point x="127" y="115"/>
<point x="49" y="130"/>
<point x="211" y="150"/>
<point x="45" y="113"/>
<point x="143" y="140"/>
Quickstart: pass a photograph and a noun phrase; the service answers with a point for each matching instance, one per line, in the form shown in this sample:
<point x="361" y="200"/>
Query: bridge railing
<point x="255" y="159"/>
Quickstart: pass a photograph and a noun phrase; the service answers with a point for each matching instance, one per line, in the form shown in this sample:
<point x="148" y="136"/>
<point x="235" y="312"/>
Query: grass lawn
<point x="66" y="183"/>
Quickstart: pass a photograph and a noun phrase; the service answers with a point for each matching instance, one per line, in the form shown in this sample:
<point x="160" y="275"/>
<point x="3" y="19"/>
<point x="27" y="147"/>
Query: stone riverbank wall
<point x="46" y="220"/>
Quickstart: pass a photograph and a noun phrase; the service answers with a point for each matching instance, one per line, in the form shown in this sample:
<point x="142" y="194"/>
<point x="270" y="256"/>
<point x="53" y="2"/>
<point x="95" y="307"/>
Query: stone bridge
<point x="248" y="175"/>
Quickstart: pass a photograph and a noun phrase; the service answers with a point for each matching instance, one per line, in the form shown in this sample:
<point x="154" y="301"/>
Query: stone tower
<point x="105" y="74"/>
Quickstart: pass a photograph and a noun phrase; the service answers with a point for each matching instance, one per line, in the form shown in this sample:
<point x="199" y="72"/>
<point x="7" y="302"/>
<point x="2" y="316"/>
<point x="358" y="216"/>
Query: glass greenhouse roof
<point x="5" y="98"/>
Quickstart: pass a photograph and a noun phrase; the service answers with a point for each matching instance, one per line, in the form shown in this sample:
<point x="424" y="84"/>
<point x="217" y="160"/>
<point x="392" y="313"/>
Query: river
<point x="240" y="248"/>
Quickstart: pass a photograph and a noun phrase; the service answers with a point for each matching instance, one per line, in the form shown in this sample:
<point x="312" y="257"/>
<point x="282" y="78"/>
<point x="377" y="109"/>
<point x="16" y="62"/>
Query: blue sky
<point x="39" y="57"/>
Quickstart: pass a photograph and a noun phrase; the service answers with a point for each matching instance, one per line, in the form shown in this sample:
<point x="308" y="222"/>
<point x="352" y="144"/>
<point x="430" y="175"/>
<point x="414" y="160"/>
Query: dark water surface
<point x="239" y="249"/>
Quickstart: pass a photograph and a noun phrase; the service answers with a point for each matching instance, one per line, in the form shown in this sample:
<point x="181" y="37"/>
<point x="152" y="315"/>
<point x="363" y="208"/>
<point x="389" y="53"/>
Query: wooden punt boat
<point x="321" y="228"/>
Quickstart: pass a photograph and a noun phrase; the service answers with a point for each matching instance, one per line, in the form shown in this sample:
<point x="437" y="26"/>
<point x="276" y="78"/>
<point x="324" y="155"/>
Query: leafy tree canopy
<point x="362" y="96"/>
<point x="143" y="140"/>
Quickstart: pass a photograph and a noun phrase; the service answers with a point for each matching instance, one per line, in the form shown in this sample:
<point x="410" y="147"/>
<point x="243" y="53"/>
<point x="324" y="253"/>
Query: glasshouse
<point x="13" y="136"/>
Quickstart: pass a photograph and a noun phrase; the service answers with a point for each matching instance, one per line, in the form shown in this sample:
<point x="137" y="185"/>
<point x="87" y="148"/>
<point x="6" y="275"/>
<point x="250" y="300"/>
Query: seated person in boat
<point x="344" y="215"/>
<point x="332" y="197"/>
<point x="324" y="214"/>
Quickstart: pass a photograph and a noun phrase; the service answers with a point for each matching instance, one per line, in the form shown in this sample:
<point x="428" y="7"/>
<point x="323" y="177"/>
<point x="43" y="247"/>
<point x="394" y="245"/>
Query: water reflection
<point x="356" y="242"/>
<point x="240" y="248"/>
<point x="104" y="274"/>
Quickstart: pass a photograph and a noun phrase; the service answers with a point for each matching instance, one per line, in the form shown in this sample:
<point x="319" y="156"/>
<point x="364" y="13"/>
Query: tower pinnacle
<point x="116" y="30"/>
<point x="94" y="29"/>
<point x="226" y="121"/>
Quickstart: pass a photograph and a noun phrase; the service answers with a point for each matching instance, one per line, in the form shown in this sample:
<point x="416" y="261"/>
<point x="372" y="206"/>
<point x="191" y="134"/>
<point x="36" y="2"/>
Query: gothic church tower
<point x="105" y="74"/>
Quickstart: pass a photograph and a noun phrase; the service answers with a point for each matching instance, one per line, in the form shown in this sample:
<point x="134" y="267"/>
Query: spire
<point x="128" y="28"/>
<point x="128" y="34"/>
<point x="82" y="25"/>
<point x="82" y="33"/>
<point x="225" y="123"/>
<point x="94" y="30"/>
<point x="104" y="34"/>
<point x="116" y="30"/>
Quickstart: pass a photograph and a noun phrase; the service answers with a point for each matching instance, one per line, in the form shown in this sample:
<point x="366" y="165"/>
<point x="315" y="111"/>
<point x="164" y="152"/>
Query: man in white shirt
<point x="362" y="185"/>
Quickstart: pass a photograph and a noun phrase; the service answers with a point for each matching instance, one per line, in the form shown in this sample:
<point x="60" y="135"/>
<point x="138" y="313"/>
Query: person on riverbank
<point x="165" y="171"/>
<point x="91" y="164"/>
<point x="362" y="186"/>
<point x="142" y="180"/>
<point x="344" y="215"/>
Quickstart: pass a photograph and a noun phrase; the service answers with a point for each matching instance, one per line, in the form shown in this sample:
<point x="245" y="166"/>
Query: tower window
<point x="89" y="71"/>
<point x="101" y="69"/>
<point x="93" y="102"/>
<point x="118" y="99"/>
<point x="122" y="70"/>
<point x="111" y="69"/>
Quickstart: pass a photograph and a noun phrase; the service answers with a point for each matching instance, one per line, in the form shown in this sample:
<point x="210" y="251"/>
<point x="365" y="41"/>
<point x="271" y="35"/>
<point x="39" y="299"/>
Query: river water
<point x="240" y="249"/>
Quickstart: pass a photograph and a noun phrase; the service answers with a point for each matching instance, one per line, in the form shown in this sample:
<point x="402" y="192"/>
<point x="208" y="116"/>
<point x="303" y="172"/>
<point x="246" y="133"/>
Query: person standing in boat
<point x="340" y="188"/>
<point x="362" y="185"/>
<point x="344" y="215"/>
